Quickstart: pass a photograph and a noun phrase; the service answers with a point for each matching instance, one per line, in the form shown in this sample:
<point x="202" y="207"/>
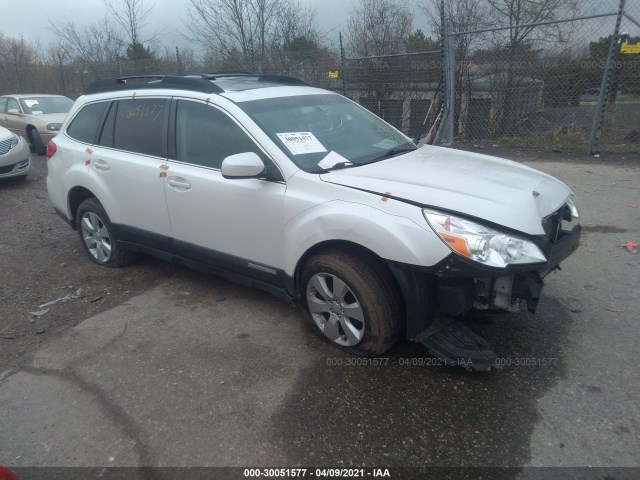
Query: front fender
<point x="389" y="236"/>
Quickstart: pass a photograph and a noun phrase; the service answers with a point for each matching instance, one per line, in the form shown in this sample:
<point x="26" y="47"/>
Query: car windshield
<point x="324" y="132"/>
<point x="44" y="105"/>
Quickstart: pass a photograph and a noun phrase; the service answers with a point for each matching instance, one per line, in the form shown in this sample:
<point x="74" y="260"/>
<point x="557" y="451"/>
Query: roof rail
<point x="281" y="79"/>
<point x="198" y="83"/>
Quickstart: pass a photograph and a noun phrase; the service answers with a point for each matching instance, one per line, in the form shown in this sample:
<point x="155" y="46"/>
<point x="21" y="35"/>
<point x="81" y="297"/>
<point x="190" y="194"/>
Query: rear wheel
<point x="352" y="302"/>
<point x="98" y="236"/>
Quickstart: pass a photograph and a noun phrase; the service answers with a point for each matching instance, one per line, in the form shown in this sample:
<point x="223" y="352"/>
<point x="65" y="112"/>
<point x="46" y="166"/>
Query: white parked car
<point x="299" y="191"/>
<point x="15" y="157"/>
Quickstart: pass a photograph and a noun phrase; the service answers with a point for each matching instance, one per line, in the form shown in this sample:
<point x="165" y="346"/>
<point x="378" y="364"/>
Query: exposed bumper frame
<point x="448" y="287"/>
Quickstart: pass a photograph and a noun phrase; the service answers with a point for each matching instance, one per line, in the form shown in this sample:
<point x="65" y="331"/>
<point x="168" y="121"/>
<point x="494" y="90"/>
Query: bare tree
<point x="379" y="27"/>
<point x="241" y="28"/>
<point x="93" y="45"/>
<point x="132" y="16"/>
<point x="517" y="44"/>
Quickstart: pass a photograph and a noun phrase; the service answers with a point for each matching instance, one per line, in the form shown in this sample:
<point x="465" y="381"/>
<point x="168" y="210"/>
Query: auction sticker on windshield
<point x="300" y="143"/>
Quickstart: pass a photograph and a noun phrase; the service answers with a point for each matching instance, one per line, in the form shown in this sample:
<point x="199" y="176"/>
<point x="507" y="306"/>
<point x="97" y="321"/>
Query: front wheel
<point x="352" y="302"/>
<point x="38" y="145"/>
<point x="98" y="236"/>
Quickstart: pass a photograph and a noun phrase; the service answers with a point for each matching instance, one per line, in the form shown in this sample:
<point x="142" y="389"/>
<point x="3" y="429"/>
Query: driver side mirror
<point x="13" y="111"/>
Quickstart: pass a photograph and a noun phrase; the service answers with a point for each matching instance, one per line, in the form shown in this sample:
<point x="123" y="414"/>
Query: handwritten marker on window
<point x="384" y="198"/>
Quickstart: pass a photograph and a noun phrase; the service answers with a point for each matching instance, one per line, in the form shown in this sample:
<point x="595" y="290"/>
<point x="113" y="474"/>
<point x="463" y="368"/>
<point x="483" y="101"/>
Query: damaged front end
<point x="510" y="281"/>
<point x="487" y="270"/>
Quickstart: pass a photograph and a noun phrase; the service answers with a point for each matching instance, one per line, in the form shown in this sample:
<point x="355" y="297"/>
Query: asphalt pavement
<point x="198" y="371"/>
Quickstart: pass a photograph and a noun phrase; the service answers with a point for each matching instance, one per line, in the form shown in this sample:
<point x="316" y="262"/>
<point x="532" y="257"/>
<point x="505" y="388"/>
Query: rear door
<point x="127" y="164"/>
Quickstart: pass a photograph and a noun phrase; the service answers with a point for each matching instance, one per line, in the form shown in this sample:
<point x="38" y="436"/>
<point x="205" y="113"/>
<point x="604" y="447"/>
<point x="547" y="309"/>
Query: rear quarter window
<point x="85" y="124"/>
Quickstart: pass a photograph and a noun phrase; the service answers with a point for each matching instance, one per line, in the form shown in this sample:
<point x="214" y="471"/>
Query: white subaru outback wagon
<point x="299" y="191"/>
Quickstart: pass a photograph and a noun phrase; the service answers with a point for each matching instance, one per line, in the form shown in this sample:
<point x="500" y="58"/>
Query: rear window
<point x="139" y="126"/>
<point x="85" y="125"/>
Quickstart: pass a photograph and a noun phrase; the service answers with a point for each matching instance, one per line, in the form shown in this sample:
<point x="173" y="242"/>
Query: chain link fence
<point x="553" y="78"/>
<point x="563" y="75"/>
<point x="403" y="89"/>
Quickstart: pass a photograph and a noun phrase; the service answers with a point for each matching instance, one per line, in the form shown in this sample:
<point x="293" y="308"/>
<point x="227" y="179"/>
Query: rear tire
<point x="352" y="302"/>
<point x="98" y="236"/>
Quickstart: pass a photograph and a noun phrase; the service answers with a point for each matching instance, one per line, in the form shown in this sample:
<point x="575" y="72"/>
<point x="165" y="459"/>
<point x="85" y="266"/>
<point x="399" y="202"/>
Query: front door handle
<point x="179" y="183"/>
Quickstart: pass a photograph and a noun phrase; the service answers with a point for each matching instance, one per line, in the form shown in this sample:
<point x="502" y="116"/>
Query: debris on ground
<point x="632" y="247"/>
<point x="66" y="298"/>
<point x="39" y="313"/>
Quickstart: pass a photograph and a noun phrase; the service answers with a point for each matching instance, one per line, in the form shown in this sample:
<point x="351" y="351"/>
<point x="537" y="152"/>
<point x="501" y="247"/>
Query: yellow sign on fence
<point x="334" y="74"/>
<point x="627" y="47"/>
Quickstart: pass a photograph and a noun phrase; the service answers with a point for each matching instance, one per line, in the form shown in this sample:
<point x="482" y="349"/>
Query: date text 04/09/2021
<point x="317" y="472"/>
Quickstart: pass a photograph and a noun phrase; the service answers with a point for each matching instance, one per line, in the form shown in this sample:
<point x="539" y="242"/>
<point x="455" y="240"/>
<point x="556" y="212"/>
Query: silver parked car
<point x="15" y="157"/>
<point x="35" y="117"/>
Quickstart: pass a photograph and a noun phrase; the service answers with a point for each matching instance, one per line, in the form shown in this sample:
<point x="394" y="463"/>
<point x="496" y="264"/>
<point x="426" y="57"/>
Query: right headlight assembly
<point x="482" y="244"/>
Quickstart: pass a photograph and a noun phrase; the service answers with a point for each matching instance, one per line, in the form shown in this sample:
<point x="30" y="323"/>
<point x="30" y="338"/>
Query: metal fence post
<point x="447" y="131"/>
<point x="343" y="72"/>
<point x="598" y="117"/>
<point x="63" y="76"/>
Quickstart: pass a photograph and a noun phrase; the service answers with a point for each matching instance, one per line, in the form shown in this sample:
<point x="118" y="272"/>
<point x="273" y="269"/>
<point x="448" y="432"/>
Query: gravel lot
<point x="243" y="394"/>
<point x="41" y="261"/>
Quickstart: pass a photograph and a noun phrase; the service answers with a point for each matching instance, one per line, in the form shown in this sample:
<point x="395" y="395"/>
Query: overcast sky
<point x="31" y="18"/>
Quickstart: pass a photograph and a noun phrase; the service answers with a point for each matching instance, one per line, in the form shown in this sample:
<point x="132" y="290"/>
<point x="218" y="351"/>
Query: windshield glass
<point x="44" y="105"/>
<point x="321" y="132"/>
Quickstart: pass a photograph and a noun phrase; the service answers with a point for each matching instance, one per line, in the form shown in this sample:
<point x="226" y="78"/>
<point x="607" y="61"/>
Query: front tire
<point x="98" y="236"/>
<point x="352" y="302"/>
<point x="38" y="145"/>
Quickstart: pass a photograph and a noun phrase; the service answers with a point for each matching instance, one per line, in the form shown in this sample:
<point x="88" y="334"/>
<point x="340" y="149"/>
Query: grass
<point x="563" y="143"/>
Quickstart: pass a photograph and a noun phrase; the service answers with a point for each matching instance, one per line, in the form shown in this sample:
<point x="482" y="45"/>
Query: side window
<point x="206" y="136"/>
<point x="13" y="103"/>
<point x="140" y="126"/>
<point x="3" y="105"/>
<point x="85" y="124"/>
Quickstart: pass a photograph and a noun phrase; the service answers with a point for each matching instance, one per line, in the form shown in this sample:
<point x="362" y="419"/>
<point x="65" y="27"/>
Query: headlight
<point x="54" y="127"/>
<point x="15" y="140"/>
<point x="571" y="203"/>
<point x="480" y="243"/>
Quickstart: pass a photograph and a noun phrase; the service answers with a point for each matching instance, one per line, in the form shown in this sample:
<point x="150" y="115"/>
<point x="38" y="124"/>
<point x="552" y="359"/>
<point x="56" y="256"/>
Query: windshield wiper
<point x="337" y="166"/>
<point x="392" y="152"/>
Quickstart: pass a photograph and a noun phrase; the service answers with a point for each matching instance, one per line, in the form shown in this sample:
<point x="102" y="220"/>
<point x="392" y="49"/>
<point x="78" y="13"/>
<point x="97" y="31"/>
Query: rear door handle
<point x="100" y="165"/>
<point x="179" y="183"/>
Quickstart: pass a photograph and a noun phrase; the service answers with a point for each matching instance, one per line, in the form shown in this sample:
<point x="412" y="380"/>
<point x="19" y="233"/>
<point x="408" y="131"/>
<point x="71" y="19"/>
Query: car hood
<point x="5" y="134"/>
<point x="490" y="188"/>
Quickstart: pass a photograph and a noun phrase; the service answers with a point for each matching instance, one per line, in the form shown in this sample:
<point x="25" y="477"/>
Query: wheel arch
<point x="344" y="246"/>
<point x="415" y="287"/>
<point x="77" y="195"/>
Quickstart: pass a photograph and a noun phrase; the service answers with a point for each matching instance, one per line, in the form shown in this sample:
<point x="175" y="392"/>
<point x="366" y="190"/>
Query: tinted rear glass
<point x="84" y="126"/>
<point x="140" y="126"/>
